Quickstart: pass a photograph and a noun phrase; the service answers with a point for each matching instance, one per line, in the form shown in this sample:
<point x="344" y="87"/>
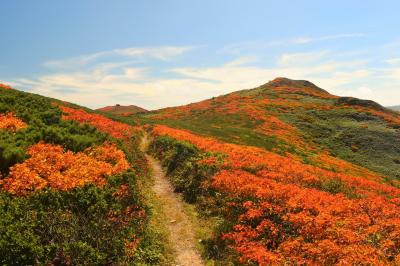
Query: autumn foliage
<point x="11" y="123"/>
<point x="298" y="214"/>
<point x="51" y="166"/>
<point x="102" y="123"/>
<point x="5" y="87"/>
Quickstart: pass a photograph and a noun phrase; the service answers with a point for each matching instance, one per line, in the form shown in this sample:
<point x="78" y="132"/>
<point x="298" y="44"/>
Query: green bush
<point x="68" y="227"/>
<point x="44" y="124"/>
<point x="179" y="158"/>
<point x="75" y="227"/>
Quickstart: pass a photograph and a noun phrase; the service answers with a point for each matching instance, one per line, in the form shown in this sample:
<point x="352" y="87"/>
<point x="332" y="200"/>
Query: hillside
<point x="296" y="116"/>
<point x="289" y="173"/>
<point x="69" y="192"/>
<point x="122" y="110"/>
<point x="282" y="174"/>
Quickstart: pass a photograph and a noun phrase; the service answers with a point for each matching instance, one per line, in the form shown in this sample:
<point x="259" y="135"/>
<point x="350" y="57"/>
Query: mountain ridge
<point x="298" y="114"/>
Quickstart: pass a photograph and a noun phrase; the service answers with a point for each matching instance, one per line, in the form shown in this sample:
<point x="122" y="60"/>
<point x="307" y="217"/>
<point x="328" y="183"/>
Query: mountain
<point x="299" y="116"/>
<point x="122" y="110"/>
<point x="286" y="173"/>
<point x="396" y="108"/>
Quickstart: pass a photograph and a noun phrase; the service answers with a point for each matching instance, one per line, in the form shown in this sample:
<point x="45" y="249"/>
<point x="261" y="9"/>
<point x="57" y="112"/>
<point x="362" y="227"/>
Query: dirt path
<point x="180" y="229"/>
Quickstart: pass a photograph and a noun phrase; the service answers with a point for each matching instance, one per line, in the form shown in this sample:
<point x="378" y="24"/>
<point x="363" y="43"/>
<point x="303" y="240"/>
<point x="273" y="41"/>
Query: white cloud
<point x="111" y="77"/>
<point x="304" y="40"/>
<point x="242" y="47"/>
<point x="395" y="44"/>
<point x="74" y="62"/>
<point x="115" y="82"/>
<point x="160" y="53"/>
<point x="244" y="60"/>
<point x="393" y="61"/>
<point x="301" y="58"/>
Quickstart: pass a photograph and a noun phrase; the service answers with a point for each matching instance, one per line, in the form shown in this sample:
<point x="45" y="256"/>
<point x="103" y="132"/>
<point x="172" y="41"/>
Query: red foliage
<point x="390" y="117"/>
<point x="279" y="85"/>
<point x="51" y="166"/>
<point x="104" y="124"/>
<point x="287" y="223"/>
<point x="11" y="123"/>
<point x="122" y="192"/>
<point x="5" y="87"/>
<point x="290" y="217"/>
<point x="133" y="215"/>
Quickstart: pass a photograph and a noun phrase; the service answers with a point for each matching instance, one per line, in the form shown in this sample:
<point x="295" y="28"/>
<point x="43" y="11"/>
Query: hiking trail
<point x="178" y="224"/>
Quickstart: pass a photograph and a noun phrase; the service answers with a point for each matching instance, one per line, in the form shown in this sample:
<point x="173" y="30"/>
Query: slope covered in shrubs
<point x="293" y="174"/>
<point x="69" y="186"/>
<point x="298" y="117"/>
<point x="277" y="210"/>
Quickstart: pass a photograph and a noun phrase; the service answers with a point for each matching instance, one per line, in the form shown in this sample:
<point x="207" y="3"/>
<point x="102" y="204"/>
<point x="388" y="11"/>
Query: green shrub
<point x="44" y="124"/>
<point x="68" y="227"/>
<point x="179" y="158"/>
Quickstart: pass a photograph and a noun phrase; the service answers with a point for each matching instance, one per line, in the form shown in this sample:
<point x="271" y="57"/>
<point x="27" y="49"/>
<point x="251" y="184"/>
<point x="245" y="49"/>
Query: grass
<point x="225" y="128"/>
<point x="359" y="138"/>
<point x="156" y="228"/>
<point x="203" y="228"/>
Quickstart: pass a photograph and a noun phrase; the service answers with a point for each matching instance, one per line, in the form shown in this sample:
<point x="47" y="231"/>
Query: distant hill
<point x="396" y="108"/>
<point x="122" y="110"/>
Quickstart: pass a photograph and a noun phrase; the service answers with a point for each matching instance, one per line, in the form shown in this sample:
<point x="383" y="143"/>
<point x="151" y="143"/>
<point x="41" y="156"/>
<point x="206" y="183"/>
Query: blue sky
<point x="163" y="53"/>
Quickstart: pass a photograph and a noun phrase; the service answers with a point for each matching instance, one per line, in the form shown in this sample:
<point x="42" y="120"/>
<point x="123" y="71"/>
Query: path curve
<point x="180" y="229"/>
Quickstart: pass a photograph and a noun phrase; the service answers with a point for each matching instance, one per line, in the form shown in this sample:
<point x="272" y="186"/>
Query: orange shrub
<point x="104" y="124"/>
<point x="5" y="87"/>
<point x="11" y="123"/>
<point x="51" y="166"/>
<point x="285" y="169"/>
<point x="296" y="213"/>
<point x="286" y="223"/>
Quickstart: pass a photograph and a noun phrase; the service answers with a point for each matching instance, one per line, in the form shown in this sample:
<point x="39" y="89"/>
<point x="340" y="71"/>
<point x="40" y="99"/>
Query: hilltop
<point x="122" y="110"/>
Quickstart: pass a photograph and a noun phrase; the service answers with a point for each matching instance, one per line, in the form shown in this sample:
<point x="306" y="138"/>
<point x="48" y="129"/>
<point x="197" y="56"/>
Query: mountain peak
<point x="121" y="109"/>
<point x="286" y="82"/>
<point x="297" y="86"/>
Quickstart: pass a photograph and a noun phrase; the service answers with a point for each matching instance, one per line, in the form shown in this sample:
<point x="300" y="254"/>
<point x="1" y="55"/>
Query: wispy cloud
<point x="393" y="61"/>
<point x="110" y="83"/>
<point x="73" y="62"/>
<point x="301" y="58"/>
<point x="160" y="53"/>
<point x="242" y="47"/>
<point x="111" y="77"/>
<point x="304" y="40"/>
<point x="244" y="60"/>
